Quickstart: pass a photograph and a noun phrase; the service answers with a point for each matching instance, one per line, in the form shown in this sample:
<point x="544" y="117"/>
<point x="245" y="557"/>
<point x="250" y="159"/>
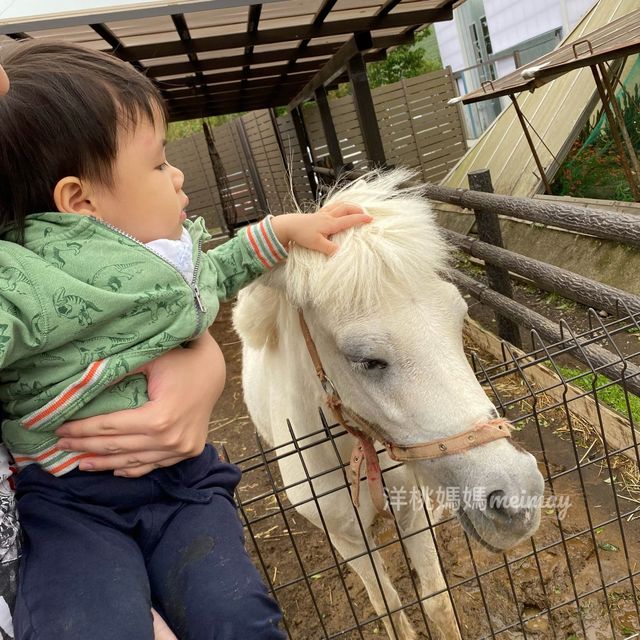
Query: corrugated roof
<point x="617" y="39"/>
<point x="556" y="112"/>
<point x="240" y="57"/>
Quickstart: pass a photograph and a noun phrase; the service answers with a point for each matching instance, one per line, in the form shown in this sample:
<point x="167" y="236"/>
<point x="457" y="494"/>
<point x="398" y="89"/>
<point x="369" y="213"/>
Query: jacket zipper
<point x="198" y="304"/>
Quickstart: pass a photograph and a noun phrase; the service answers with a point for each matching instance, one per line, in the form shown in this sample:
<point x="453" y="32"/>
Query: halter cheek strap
<point x="366" y="433"/>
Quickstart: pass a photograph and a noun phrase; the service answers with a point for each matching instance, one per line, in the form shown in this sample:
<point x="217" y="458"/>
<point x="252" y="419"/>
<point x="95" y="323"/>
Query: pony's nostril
<point x="498" y="504"/>
<point x="495" y="500"/>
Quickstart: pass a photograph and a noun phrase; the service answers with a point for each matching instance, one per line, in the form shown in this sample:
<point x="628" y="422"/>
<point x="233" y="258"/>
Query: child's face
<point x="146" y="199"/>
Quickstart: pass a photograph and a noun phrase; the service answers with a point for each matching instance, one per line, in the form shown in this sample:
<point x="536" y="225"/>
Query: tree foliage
<point x="406" y="61"/>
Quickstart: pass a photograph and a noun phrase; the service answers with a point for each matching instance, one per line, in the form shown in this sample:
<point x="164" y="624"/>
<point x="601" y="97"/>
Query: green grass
<point x="613" y="395"/>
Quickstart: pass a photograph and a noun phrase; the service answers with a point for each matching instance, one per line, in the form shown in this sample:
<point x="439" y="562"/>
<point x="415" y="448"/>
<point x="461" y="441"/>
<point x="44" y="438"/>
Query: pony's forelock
<point x="391" y="257"/>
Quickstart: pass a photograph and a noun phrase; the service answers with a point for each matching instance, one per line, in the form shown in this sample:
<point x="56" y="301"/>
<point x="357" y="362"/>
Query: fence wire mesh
<point x="577" y="577"/>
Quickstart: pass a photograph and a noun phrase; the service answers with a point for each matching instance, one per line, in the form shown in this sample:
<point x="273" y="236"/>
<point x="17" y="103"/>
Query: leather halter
<point x="366" y="433"/>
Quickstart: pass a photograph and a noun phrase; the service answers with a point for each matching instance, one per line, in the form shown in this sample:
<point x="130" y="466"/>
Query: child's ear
<point x="72" y="195"/>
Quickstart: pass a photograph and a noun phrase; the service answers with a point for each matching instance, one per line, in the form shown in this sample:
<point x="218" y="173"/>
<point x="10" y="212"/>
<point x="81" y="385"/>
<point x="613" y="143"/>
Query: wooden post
<point x="488" y="226"/>
<point x="365" y="110"/>
<point x="261" y="197"/>
<point x="330" y="135"/>
<point x="303" y="143"/>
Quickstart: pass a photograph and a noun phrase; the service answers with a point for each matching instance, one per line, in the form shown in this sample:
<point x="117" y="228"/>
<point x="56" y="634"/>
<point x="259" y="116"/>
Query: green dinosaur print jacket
<point x="83" y="304"/>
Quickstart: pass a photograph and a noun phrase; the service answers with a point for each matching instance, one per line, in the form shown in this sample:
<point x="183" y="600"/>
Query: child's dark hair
<point x="62" y="116"/>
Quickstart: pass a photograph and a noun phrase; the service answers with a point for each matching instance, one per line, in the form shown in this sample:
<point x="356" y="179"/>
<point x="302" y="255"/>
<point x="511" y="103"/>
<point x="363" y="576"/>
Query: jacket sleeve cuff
<point x="264" y="243"/>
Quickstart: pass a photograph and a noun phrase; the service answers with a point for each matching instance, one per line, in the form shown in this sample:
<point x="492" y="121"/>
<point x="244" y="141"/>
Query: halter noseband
<point x="366" y="433"/>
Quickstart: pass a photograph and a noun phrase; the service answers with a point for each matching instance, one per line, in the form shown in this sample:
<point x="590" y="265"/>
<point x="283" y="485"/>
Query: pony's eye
<point x="370" y="364"/>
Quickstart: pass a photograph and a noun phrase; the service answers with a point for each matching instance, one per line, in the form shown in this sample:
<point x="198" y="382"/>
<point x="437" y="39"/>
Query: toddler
<point x="100" y="272"/>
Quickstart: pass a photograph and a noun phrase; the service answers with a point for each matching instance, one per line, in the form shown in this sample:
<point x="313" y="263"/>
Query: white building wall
<point x="449" y="45"/>
<point x="514" y="21"/>
<point x="510" y="23"/>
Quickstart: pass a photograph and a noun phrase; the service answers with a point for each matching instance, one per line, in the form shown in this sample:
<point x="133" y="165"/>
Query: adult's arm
<point x="183" y="386"/>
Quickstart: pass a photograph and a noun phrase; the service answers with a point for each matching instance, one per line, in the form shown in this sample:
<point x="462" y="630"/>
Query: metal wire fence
<point x="578" y="577"/>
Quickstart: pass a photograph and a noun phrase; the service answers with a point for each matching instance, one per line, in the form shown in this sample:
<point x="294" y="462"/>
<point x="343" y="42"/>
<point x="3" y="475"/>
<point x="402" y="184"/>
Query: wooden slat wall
<point x="191" y="156"/>
<point x="268" y="159"/>
<point x="241" y="189"/>
<point x="294" y="161"/>
<point x="419" y="130"/>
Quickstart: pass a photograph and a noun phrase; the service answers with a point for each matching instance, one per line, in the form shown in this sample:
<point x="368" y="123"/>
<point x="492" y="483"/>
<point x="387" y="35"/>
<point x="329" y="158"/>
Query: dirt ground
<point x="319" y="600"/>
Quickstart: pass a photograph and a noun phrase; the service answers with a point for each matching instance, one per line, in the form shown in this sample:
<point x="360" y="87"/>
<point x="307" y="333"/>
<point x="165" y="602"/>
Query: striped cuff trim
<point x="53" y="408"/>
<point x="265" y="244"/>
<point x="52" y="459"/>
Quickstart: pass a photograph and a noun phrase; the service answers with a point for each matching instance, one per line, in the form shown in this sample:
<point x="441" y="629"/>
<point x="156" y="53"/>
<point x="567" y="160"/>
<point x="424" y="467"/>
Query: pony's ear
<point x="255" y="316"/>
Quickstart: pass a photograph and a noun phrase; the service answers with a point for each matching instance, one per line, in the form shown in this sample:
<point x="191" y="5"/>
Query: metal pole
<point x="366" y="112"/>
<point x="333" y="144"/>
<point x="534" y="151"/>
<point x="615" y="133"/>
<point x="303" y="143"/>
<point x="621" y="124"/>
<point x="489" y="231"/>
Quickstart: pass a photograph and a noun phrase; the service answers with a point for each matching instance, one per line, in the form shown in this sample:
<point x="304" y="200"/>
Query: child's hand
<point x="313" y="230"/>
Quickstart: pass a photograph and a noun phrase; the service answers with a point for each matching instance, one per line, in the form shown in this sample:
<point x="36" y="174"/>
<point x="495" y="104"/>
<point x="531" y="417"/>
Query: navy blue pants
<point x="101" y="550"/>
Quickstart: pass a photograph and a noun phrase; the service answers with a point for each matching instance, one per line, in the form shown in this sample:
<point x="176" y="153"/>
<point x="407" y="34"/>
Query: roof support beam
<point x="305" y="147"/>
<point x="252" y="27"/>
<point x="283" y="34"/>
<point x="335" y="67"/>
<point x="217" y="91"/>
<point x="303" y="46"/>
<point x="117" y="48"/>
<point x="81" y="17"/>
<point x="330" y="135"/>
<point x="365" y="110"/>
<point x="310" y="66"/>
<point x="266" y="57"/>
<point x="182" y="29"/>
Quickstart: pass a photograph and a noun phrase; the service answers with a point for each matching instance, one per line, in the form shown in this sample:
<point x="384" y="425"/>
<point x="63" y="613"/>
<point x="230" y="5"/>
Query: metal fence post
<point x="488" y="227"/>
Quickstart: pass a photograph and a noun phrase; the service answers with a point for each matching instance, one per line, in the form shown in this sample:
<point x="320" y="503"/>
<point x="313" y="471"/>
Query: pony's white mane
<point x="393" y="255"/>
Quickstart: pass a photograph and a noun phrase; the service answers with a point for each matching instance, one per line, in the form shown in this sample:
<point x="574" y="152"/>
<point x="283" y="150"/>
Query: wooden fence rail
<point x="619" y="227"/>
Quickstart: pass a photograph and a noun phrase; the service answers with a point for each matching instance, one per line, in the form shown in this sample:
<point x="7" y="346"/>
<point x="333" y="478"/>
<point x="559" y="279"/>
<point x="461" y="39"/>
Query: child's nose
<point x="178" y="177"/>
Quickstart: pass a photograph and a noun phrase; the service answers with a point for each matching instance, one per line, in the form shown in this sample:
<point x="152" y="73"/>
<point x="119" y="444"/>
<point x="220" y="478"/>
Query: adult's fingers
<point x="137" y="470"/>
<point x="125" y="422"/>
<point x="147" y="460"/>
<point x="106" y="445"/>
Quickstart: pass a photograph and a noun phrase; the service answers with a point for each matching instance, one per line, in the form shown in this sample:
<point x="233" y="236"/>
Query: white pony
<point x="388" y="328"/>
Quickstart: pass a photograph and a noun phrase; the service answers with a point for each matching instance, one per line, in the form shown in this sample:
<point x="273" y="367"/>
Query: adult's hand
<point x="183" y="386"/>
<point x="4" y="82"/>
